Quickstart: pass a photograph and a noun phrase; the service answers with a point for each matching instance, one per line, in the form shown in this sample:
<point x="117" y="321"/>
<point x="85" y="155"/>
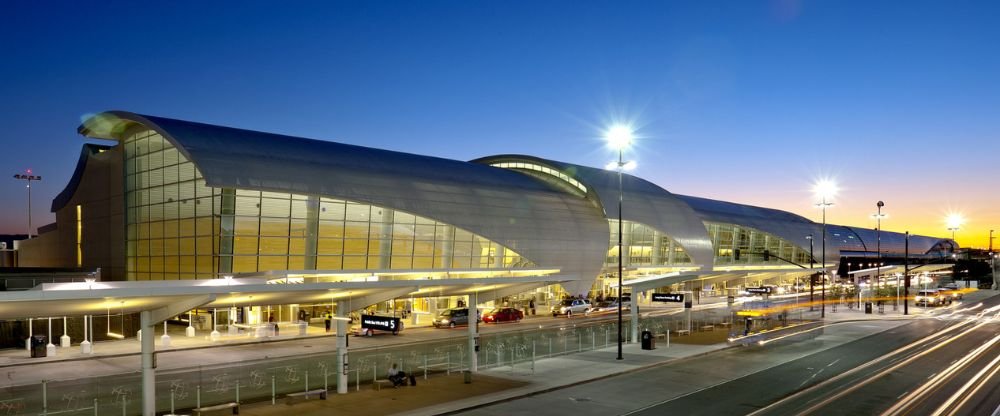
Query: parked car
<point x="505" y="314"/>
<point x="569" y="307"/>
<point x="930" y="297"/>
<point x="451" y="318"/>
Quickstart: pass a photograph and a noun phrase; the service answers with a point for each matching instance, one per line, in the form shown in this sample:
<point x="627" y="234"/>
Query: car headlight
<point x="444" y="321"/>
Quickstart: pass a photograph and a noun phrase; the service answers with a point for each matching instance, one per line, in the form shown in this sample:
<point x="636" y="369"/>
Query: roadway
<point x="949" y="358"/>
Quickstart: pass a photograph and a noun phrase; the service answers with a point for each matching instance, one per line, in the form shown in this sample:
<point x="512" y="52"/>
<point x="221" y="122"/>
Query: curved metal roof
<point x="895" y="243"/>
<point x="642" y="202"/>
<point x="786" y="225"/>
<point x="66" y="195"/>
<point x="539" y="221"/>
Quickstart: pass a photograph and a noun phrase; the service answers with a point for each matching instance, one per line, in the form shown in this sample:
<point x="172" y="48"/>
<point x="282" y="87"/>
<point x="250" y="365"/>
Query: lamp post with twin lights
<point x="620" y="137"/>
<point x="878" y="245"/>
<point x="28" y="176"/>
<point x="825" y="189"/>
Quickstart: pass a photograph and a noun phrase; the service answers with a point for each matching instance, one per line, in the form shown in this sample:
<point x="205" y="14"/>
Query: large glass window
<point x="726" y="238"/>
<point x="644" y="246"/>
<point x="180" y="228"/>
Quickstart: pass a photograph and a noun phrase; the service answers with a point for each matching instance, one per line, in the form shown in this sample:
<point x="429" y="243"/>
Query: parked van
<point x="451" y="318"/>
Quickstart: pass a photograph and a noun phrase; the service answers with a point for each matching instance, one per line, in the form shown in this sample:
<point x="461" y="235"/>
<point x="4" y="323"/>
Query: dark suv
<point x="452" y="317"/>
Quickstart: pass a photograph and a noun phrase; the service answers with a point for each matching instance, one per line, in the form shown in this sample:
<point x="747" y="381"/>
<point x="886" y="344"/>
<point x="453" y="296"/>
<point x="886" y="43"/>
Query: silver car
<point x="569" y="307"/>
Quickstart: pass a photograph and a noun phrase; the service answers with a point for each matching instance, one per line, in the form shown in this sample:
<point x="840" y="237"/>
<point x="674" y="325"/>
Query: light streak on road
<point x="918" y="395"/>
<point x="890" y="355"/>
<point x="969" y="389"/>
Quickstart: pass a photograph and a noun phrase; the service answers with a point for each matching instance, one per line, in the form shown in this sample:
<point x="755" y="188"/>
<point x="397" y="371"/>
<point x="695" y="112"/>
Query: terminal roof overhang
<point x="99" y="298"/>
<point x="718" y="276"/>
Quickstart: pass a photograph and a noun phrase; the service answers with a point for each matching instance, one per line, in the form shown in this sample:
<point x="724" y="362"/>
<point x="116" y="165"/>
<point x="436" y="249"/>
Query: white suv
<point x="569" y="307"/>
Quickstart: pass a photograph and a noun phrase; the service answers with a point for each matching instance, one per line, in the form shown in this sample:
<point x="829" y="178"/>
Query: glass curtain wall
<point x="179" y="228"/>
<point x="645" y="246"/>
<point x="752" y="243"/>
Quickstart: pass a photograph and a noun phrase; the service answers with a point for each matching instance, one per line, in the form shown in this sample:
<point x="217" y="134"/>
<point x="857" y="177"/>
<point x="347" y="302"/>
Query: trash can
<point x="467" y="375"/>
<point x="38" y="343"/>
<point x="868" y="307"/>
<point x="648" y="342"/>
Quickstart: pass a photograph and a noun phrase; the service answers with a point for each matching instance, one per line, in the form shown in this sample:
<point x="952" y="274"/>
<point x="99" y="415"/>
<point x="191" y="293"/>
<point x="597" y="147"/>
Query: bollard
<point x="197" y="396"/>
<point x="425" y="366"/>
<point x="95" y="406"/>
<point x="172" y="401"/>
<point x="237" y="390"/>
<point x="448" y="372"/>
<point x="272" y="389"/>
<point x="326" y="385"/>
<point x="45" y="397"/>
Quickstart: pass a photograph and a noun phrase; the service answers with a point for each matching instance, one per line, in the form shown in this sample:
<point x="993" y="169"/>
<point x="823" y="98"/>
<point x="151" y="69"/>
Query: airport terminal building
<point x="177" y="200"/>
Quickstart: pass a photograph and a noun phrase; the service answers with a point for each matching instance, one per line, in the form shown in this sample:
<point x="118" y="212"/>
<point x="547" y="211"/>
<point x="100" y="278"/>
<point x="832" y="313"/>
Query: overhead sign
<point x="762" y="290"/>
<point x="381" y="323"/>
<point x="668" y="297"/>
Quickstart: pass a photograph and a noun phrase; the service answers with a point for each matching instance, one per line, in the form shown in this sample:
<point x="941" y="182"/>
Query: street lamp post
<point x="878" y="246"/>
<point x="28" y="177"/>
<point x="826" y="189"/>
<point x="812" y="275"/>
<point x="620" y="137"/>
<point x="906" y="275"/>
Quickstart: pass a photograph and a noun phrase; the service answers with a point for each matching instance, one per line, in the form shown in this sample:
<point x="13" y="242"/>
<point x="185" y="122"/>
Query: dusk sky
<point x="743" y="101"/>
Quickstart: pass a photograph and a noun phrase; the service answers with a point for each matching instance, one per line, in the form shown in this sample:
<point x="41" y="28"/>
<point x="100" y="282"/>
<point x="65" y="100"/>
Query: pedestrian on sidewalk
<point x="327" y="320"/>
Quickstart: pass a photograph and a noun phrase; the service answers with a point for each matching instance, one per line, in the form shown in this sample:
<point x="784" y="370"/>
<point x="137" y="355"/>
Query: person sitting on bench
<point x="397" y="376"/>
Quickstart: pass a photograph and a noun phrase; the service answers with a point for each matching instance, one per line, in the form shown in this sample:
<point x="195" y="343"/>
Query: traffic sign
<point x="766" y="290"/>
<point x="668" y="297"/>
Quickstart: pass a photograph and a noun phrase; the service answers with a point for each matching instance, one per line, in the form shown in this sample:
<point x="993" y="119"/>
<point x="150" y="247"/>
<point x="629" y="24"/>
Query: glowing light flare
<point x="825" y="189"/>
<point x="954" y="221"/>
<point x="619" y="136"/>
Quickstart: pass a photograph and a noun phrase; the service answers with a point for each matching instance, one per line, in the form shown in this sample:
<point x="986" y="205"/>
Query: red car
<point x="503" y="315"/>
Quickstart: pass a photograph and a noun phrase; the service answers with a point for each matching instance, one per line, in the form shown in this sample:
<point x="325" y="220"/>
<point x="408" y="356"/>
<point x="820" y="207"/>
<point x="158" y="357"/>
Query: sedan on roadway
<point x="505" y="314"/>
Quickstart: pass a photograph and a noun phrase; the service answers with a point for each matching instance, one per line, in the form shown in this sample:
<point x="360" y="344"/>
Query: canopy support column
<point x="342" y="361"/>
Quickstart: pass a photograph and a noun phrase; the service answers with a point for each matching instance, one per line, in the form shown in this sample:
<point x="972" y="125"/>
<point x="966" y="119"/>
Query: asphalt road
<point x="845" y="371"/>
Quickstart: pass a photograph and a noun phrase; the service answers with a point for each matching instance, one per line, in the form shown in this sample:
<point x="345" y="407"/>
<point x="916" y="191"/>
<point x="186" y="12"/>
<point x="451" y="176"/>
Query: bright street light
<point x="825" y="190"/>
<point x="954" y="221"/>
<point x="620" y="137"/>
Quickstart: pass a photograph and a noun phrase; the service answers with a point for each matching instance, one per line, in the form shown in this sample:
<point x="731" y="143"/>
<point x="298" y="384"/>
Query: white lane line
<point x="901" y="395"/>
<point x="930" y="376"/>
<point x="834" y="362"/>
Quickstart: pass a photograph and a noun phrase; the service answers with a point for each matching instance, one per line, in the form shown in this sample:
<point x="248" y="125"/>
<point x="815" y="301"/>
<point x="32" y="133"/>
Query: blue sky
<point x="747" y="101"/>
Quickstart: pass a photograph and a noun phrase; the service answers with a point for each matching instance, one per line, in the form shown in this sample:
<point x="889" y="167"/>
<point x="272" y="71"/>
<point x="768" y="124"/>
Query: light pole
<point x="825" y="189"/>
<point x="28" y="177"/>
<point x="812" y="275"/>
<point x="954" y="221"/>
<point x="620" y="137"/>
<point x="878" y="245"/>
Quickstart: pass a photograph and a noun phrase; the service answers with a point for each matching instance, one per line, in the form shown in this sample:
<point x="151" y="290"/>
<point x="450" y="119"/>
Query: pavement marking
<point x="834" y="362"/>
<point x="929" y="377"/>
<point x="901" y="395"/>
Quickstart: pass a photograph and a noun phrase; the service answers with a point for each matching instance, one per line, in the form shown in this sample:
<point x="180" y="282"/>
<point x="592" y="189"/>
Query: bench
<point x="231" y="405"/>
<point x="724" y="324"/>
<point x="707" y="328"/>
<point x="661" y="335"/>
<point x="683" y="332"/>
<point x="305" y="394"/>
<point x="379" y="382"/>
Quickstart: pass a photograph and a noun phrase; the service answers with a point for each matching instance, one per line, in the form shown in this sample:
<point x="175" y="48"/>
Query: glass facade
<point x="542" y="169"/>
<point x="180" y="228"/>
<point x="646" y="247"/>
<point x="752" y="243"/>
